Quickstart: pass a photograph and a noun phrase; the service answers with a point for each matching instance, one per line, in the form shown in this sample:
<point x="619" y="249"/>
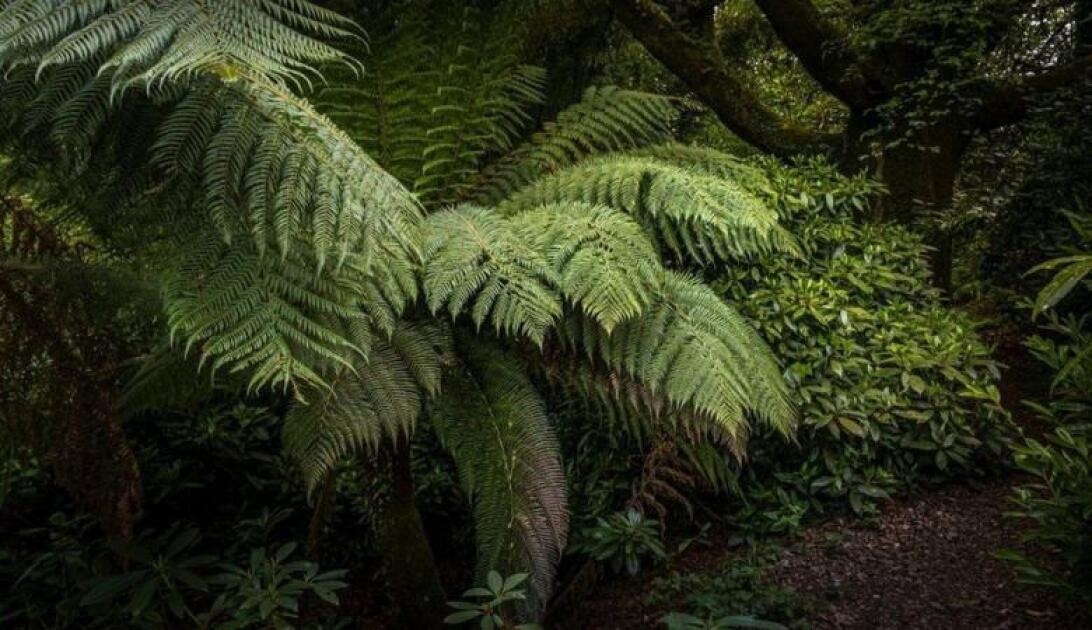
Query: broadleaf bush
<point x="895" y="389"/>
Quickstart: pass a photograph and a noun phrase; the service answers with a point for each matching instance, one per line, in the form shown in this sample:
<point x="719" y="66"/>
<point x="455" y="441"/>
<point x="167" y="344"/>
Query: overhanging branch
<point x="820" y="47"/>
<point x="696" y="59"/>
<point x="1008" y="103"/>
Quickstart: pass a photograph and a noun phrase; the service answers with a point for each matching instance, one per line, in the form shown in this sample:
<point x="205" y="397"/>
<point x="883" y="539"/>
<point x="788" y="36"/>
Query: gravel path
<point x="926" y="563"/>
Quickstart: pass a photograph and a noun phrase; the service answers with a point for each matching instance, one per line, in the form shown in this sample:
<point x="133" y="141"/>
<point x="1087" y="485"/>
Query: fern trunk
<point x="412" y="576"/>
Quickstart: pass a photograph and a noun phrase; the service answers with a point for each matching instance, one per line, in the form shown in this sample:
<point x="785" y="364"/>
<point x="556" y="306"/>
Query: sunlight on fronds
<point x="692" y="215"/>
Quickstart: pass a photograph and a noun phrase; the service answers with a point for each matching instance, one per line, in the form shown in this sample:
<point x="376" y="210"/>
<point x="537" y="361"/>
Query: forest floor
<point x="926" y="562"/>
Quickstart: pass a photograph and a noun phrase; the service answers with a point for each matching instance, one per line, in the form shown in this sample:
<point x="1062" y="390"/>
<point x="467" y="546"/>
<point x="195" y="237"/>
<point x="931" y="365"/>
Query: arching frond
<point x="378" y="399"/>
<point x="274" y="167"/>
<point x="694" y="353"/>
<point x="445" y="90"/>
<point x="603" y="261"/>
<point x="387" y="110"/>
<point x="607" y="119"/>
<point x="475" y="259"/>
<point x="690" y="214"/>
<point x="484" y="95"/>
<point x="161" y="42"/>
<point x="238" y="171"/>
<point x="708" y="160"/>
<point x="272" y="318"/>
<point x="494" y="424"/>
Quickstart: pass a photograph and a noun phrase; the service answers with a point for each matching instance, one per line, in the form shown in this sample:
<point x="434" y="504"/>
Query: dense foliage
<point x="318" y="313"/>
<point x="218" y="546"/>
<point x="895" y="389"/>
<point x="1059" y="502"/>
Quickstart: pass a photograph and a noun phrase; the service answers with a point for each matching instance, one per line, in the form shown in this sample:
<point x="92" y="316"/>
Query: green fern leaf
<point x="152" y="43"/>
<point x="690" y="214"/>
<point x="475" y="259"/>
<point x="494" y="424"/>
<point x="603" y="262"/>
<point x="608" y="119"/>
<point x="377" y="400"/>
<point x="697" y="355"/>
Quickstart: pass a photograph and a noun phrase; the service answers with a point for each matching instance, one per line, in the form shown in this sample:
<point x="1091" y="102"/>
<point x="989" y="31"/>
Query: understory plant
<point x="622" y="540"/>
<point x="488" y="613"/>
<point x="735" y="594"/>
<point x="1058" y="502"/>
<point x="208" y="551"/>
<point x="894" y="388"/>
<point x="393" y="248"/>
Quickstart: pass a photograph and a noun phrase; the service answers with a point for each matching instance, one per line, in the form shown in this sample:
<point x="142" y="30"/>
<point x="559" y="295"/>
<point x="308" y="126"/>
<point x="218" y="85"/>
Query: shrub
<point x="623" y="540"/>
<point x="1059" y="501"/>
<point x="734" y="595"/>
<point x="894" y="388"/>
<point x="208" y="552"/>
<point x="488" y="612"/>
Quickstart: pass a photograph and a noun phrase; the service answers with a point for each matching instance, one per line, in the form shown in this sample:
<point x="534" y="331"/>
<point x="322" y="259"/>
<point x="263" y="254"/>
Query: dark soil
<point x="925" y="563"/>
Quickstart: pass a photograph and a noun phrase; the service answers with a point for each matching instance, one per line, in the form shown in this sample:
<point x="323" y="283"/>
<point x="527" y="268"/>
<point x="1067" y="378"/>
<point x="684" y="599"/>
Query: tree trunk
<point x="919" y="175"/>
<point x="411" y="570"/>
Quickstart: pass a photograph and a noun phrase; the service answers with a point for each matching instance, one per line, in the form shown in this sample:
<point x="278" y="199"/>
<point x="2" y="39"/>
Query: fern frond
<point x="607" y="119"/>
<point x="375" y="400"/>
<point x="275" y="167"/>
<point x="696" y="354"/>
<point x="166" y="379"/>
<point x="690" y="214"/>
<point x="603" y="261"/>
<point x="446" y="91"/>
<point x="710" y="161"/>
<point x="387" y="110"/>
<point x="271" y="168"/>
<point x="494" y="424"/>
<point x="474" y="258"/>
<point x="239" y="169"/>
<point x="152" y="43"/>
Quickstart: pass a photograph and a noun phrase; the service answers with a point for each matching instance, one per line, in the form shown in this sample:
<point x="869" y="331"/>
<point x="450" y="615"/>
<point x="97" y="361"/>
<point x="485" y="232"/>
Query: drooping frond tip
<point x="495" y="425"/>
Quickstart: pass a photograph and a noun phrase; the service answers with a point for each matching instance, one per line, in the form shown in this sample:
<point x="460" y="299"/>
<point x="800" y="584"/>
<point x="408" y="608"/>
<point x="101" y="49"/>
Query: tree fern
<point x="293" y="250"/>
<point x="692" y="215"/>
<point x="494" y="424"/>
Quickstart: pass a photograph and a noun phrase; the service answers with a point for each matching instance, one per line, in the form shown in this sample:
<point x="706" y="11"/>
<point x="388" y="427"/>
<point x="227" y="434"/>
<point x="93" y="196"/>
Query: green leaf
<point x="851" y="426"/>
<point x="462" y="617"/>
